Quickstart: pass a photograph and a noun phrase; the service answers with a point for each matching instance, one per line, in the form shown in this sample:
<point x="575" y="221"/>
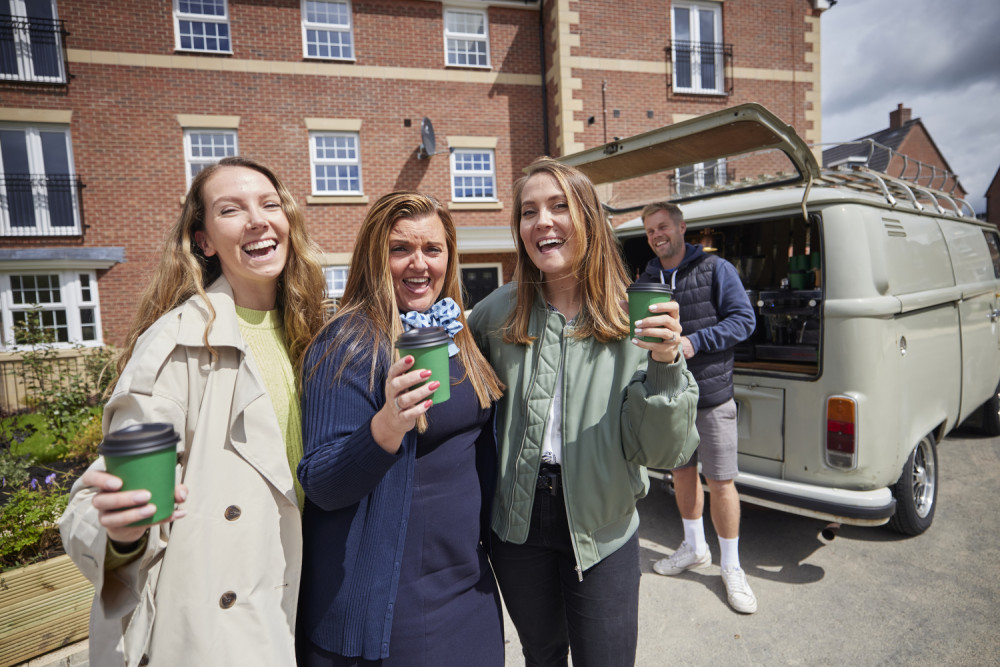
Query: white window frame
<point x="315" y="162"/>
<point x="454" y="36"/>
<point x="716" y="87"/>
<point x="204" y="19"/>
<point x="341" y="29"/>
<point x="456" y="173"/>
<point x="23" y="56"/>
<point x="336" y="280"/>
<point x="202" y="161"/>
<point x="72" y="302"/>
<point x="696" y="174"/>
<point x="39" y="185"/>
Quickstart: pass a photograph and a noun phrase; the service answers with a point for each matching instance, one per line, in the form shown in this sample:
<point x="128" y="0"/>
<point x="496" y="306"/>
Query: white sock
<point x="730" y="553"/>
<point x="694" y="534"/>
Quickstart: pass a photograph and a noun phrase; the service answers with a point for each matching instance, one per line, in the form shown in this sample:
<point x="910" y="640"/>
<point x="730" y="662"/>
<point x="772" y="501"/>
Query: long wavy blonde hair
<point x="184" y="270"/>
<point x="597" y="263"/>
<point x="368" y="313"/>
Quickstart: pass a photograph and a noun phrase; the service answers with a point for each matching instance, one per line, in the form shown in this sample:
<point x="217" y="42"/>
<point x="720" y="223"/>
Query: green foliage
<point x="62" y="398"/>
<point x="29" y="522"/>
<point x="13" y="467"/>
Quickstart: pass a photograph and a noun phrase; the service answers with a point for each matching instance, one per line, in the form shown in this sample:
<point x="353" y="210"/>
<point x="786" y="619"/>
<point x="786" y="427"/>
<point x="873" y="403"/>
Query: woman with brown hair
<point x="214" y="350"/>
<point x="586" y="408"/>
<point x="398" y="490"/>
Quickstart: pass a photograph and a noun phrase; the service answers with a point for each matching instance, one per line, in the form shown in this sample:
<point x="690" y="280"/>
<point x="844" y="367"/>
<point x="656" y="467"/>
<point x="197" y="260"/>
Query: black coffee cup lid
<point x="138" y="439"/>
<point x="650" y="287"/>
<point x="422" y="337"/>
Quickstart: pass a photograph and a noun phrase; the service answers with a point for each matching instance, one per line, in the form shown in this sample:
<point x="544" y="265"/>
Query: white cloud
<point x="942" y="60"/>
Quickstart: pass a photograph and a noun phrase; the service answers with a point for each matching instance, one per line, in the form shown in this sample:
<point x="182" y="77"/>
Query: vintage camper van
<point x="877" y="303"/>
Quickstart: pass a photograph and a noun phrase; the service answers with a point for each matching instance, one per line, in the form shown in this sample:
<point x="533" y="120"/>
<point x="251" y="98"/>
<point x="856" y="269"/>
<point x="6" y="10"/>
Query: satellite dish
<point x="428" y="143"/>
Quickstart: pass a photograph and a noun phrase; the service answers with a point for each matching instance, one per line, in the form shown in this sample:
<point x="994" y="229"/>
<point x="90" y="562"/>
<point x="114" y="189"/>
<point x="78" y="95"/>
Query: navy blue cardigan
<point x="357" y="505"/>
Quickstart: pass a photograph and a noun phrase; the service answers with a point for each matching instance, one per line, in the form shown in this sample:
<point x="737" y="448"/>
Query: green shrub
<point x="61" y="398"/>
<point x="29" y="522"/>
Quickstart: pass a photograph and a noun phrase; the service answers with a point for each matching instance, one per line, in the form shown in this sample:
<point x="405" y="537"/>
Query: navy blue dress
<point x="447" y="610"/>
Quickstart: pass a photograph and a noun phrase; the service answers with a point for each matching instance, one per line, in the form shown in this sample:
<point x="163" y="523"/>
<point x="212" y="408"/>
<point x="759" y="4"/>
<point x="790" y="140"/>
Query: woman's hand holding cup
<point x="403" y="404"/>
<point x="663" y="325"/>
<point x="116" y="509"/>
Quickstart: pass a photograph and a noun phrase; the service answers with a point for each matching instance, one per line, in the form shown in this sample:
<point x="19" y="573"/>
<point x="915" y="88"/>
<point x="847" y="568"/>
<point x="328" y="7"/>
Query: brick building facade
<point x="108" y="106"/>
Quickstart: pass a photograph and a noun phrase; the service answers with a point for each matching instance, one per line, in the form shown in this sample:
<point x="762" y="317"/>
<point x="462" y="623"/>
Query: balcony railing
<point x="40" y="205"/>
<point x="31" y="49"/>
<point x="701" y="67"/>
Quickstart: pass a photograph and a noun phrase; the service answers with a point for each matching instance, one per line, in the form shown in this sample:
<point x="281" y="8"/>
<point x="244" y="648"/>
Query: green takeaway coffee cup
<point x="429" y="347"/>
<point x="144" y="456"/>
<point x="640" y="297"/>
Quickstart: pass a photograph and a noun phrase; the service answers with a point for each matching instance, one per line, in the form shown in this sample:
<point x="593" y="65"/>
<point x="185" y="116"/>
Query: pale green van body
<point x="907" y="310"/>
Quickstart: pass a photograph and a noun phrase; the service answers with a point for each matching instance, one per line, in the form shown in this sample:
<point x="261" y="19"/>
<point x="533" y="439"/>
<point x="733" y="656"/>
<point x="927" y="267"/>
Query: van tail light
<point x="841" y="433"/>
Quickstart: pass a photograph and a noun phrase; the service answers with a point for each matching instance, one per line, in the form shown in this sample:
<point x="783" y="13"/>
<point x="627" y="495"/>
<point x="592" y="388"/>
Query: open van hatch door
<point x="739" y="130"/>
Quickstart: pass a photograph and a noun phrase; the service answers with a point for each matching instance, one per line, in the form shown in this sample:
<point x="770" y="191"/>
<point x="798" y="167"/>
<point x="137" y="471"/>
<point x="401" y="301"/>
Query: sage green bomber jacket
<point x="621" y="412"/>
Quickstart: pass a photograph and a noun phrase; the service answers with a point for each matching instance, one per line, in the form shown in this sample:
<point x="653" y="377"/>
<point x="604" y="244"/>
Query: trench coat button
<point x="233" y="513"/>
<point x="227" y="600"/>
<point x="144" y="660"/>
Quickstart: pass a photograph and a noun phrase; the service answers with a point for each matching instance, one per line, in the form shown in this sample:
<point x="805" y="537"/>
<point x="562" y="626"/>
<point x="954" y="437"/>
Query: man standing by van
<point x="715" y="315"/>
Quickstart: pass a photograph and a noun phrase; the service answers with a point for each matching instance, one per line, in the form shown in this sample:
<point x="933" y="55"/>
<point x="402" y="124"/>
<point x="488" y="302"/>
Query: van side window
<point x="993" y="241"/>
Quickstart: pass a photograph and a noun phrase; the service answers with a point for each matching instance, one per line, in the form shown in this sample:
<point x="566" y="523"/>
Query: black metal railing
<point x="40" y="205"/>
<point x="31" y="49"/>
<point x="701" y="66"/>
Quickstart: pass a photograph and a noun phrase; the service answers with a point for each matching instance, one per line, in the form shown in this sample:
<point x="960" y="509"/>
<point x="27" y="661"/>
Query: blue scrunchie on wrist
<point x="444" y="313"/>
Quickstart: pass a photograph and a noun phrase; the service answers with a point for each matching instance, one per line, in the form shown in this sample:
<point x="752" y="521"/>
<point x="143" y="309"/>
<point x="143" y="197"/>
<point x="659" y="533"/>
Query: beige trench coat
<point x="220" y="585"/>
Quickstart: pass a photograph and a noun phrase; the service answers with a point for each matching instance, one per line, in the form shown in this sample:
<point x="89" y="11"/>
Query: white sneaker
<point x="682" y="560"/>
<point x="741" y="598"/>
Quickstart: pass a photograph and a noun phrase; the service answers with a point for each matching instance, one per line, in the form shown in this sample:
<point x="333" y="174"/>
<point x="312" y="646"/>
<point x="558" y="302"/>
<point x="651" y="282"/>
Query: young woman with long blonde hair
<point x="585" y="409"/>
<point x="398" y="491"/>
<point x="214" y="351"/>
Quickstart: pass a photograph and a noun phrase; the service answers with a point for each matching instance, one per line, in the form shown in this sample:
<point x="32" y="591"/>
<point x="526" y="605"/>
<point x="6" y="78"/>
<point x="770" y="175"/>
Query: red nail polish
<point x="434" y="385"/>
<point x="425" y="374"/>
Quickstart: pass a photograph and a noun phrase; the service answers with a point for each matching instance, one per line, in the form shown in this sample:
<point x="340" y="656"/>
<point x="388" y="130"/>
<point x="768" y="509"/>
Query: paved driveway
<point x="869" y="597"/>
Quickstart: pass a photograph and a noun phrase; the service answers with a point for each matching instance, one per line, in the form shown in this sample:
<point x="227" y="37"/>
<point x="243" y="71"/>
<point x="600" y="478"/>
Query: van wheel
<point x="916" y="490"/>
<point x="991" y="414"/>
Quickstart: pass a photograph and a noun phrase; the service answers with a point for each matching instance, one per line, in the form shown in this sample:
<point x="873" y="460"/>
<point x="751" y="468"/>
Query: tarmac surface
<point x="868" y="597"/>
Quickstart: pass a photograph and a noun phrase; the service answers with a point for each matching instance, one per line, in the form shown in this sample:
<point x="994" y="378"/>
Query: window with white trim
<point x="202" y="25"/>
<point x="326" y="30"/>
<point x="696" y="178"/>
<point x="31" y="41"/>
<point x="63" y="303"/>
<point x="205" y="147"/>
<point x="466" y="38"/>
<point x="335" y="158"/>
<point x="38" y="189"/>
<point x="697" y="47"/>
<point x="473" y="175"/>
<point x="336" y="280"/>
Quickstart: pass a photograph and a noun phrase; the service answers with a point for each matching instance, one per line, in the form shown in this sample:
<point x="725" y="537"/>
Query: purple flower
<point x="34" y="483"/>
<point x="50" y="478"/>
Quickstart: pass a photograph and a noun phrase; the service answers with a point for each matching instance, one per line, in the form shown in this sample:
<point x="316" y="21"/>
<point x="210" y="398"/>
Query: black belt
<point x="549" y="479"/>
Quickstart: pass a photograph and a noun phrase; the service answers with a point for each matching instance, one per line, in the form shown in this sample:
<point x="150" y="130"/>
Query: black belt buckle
<point x="549" y="479"/>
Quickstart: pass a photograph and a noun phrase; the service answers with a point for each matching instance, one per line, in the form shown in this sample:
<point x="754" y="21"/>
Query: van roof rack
<point x="868" y="169"/>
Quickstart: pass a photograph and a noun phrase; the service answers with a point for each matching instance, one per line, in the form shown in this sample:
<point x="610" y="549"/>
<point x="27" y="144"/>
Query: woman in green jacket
<point x="585" y="410"/>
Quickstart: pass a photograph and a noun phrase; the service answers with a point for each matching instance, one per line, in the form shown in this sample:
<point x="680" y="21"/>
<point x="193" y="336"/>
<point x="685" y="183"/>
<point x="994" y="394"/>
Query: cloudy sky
<point x="940" y="59"/>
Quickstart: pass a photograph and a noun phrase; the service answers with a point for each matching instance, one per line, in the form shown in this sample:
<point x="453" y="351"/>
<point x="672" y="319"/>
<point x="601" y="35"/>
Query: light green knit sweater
<point x="264" y="334"/>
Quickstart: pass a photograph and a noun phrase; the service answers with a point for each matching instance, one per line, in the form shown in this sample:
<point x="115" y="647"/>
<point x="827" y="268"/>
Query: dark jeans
<point x="598" y="618"/>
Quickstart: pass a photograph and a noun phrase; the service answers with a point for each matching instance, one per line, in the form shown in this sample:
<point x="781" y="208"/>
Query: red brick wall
<point x="919" y="146"/>
<point x="127" y="143"/>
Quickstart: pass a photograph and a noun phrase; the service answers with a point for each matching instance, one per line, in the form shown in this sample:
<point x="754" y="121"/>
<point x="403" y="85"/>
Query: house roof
<point x="889" y="137"/>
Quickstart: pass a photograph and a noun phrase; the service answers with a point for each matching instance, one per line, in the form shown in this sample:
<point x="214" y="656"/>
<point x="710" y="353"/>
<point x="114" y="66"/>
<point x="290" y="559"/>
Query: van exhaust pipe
<point x="830" y="531"/>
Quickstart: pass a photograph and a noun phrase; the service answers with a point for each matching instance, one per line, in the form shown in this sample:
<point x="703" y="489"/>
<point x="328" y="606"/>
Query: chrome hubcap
<point x="924" y="477"/>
